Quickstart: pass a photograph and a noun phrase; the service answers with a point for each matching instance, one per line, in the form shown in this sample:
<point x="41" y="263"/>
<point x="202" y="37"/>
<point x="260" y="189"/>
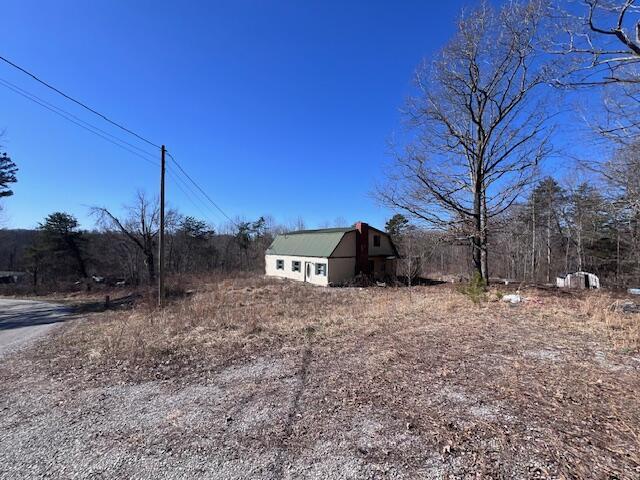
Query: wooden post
<point x="161" y="236"/>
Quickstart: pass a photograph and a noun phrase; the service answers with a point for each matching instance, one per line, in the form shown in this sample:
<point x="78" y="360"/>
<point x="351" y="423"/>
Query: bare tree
<point x="622" y="176"/>
<point x="410" y="264"/>
<point x="140" y="226"/>
<point x="479" y="125"/>
<point x="417" y="248"/>
<point x="296" y="224"/>
<point x="604" y="43"/>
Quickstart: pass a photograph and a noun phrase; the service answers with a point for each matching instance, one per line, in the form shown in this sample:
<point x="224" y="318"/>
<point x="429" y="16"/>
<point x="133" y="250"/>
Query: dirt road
<point x="21" y="321"/>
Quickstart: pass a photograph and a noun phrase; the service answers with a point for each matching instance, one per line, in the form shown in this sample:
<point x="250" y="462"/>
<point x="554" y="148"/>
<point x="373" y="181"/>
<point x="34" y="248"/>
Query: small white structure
<point x="582" y="280"/>
<point x="332" y="255"/>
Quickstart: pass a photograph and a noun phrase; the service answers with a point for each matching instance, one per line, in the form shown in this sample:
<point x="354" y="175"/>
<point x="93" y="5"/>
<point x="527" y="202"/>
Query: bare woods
<point x="477" y="169"/>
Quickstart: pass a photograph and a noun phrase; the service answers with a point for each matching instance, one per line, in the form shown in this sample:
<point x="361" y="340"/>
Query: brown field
<point x="257" y="378"/>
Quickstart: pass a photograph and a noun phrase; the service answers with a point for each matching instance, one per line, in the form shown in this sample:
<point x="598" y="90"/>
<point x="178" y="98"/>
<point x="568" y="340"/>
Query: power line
<point x="188" y="192"/>
<point x="104" y="117"/>
<point x="141" y="153"/>
<point x="80" y="123"/>
<point x="202" y="191"/>
<point x="99" y="132"/>
<point x="24" y="92"/>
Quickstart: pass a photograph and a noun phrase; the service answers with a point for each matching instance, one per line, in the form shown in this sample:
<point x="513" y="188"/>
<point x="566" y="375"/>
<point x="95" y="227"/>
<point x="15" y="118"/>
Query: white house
<point x="331" y="255"/>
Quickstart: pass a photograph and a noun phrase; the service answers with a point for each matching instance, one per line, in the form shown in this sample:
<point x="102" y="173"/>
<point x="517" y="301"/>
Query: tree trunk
<point x="82" y="268"/>
<point x="533" y="241"/>
<point x="549" y="246"/>
<point x="618" y="255"/>
<point x="477" y="234"/>
<point x="566" y="253"/>
<point x="484" y="261"/>
<point x="484" y="238"/>
<point x="579" y="250"/>
<point x="151" y="265"/>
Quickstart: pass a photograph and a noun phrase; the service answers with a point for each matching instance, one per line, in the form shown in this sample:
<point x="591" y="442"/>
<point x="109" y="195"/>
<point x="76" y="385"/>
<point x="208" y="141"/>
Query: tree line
<point x="556" y="229"/>
<point x="123" y="249"/>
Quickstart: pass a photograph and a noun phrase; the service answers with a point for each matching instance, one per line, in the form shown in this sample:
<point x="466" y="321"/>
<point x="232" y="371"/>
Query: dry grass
<point x="543" y="389"/>
<point x="224" y="315"/>
<point x="232" y="317"/>
<point x="597" y="311"/>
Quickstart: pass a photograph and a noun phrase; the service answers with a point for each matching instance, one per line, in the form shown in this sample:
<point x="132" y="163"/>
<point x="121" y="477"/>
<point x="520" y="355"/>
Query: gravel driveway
<point x="21" y="321"/>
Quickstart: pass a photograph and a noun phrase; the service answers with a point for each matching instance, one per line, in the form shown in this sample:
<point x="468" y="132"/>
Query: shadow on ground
<point x="27" y="315"/>
<point x="21" y="314"/>
<point x="103" y="305"/>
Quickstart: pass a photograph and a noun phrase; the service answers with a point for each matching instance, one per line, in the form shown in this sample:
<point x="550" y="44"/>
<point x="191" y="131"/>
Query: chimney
<point x="362" y="248"/>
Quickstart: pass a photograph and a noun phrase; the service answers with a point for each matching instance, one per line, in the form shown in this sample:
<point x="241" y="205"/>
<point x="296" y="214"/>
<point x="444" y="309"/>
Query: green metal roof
<point x="308" y="243"/>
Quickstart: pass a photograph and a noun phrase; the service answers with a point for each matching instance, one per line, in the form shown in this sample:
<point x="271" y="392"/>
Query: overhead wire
<point x="201" y="190"/>
<point x="190" y="195"/>
<point x="103" y="134"/>
<point x="80" y="123"/>
<point x="134" y="149"/>
<point x="78" y="102"/>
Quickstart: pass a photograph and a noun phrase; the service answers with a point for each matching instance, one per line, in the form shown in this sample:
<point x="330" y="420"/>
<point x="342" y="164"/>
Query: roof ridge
<point x="321" y="230"/>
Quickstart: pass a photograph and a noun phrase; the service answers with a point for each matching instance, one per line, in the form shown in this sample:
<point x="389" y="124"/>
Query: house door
<point x="307" y="271"/>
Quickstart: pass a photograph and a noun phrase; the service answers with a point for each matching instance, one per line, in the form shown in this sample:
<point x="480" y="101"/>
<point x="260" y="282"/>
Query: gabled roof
<point x="308" y="243"/>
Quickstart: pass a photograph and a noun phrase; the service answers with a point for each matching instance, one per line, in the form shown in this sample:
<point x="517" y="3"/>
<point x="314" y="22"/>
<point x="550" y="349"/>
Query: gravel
<point x="23" y="321"/>
<point x="230" y="427"/>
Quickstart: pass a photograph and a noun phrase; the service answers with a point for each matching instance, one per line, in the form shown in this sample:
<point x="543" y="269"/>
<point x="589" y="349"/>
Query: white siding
<point x="271" y="270"/>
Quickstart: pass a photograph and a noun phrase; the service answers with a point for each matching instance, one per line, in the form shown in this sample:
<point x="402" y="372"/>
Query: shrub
<point x="476" y="289"/>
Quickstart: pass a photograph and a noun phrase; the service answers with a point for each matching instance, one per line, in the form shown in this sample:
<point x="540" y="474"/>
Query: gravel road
<point x="21" y="321"/>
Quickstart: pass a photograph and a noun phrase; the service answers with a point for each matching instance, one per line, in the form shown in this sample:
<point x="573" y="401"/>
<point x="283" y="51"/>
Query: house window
<point x="376" y="240"/>
<point x="295" y="266"/>
<point x="279" y="264"/>
<point x="321" y="269"/>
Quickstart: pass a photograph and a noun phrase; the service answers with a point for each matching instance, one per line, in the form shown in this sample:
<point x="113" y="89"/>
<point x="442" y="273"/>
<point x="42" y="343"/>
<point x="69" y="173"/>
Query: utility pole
<point x="161" y="241"/>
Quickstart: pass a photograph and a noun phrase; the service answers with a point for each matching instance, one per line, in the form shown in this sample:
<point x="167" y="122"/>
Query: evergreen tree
<point x="193" y="228"/>
<point x="59" y="246"/>
<point x="397" y="225"/>
<point x="546" y="204"/>
<point x="193" y="246"/>
<point x="587" y="222"/>
<point x="8" y="171"/>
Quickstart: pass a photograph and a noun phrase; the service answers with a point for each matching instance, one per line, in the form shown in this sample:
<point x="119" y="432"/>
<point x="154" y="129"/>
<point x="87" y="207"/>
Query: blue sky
<point x="282" y="108"/>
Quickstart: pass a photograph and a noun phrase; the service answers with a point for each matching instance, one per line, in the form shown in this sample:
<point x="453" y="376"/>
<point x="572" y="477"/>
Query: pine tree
<point x="8" y="171"/>
<point x="59" y="246"/>
<point x="586" y="218"/>
<point x="397" y="225"/>
<point x="547" y="201"/>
